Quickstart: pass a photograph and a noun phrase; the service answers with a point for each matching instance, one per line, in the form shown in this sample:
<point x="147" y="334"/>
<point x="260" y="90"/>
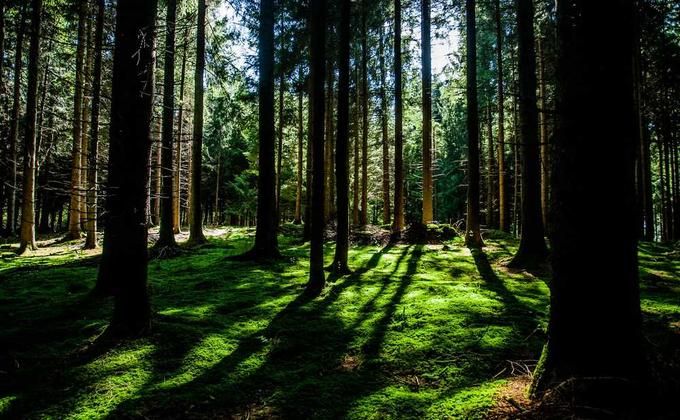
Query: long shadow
<point x="377" y="338"/>
<point x="492" y="282"/>
<point x="288" y="328"/>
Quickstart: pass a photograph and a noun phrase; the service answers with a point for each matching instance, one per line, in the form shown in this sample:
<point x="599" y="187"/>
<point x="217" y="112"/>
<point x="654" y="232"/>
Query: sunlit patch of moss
<point x="417" y="331"/>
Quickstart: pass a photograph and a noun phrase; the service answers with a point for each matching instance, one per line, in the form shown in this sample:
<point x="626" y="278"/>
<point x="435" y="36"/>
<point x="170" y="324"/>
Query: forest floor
<point x="418" y="331"/>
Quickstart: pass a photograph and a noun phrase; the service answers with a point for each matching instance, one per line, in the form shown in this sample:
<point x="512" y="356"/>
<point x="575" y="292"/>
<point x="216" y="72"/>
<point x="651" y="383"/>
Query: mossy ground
<point x="420" y="331"/>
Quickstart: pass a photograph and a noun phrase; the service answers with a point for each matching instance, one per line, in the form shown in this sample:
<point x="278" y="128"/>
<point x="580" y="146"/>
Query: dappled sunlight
<point x="423" y="330"/>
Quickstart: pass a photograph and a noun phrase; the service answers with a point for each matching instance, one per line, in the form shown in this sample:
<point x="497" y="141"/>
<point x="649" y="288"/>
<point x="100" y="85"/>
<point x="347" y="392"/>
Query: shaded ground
<point x="420" y="331"/>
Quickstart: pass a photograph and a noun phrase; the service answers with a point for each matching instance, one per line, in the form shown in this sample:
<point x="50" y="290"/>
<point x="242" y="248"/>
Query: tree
<point x="166" y="237"/>
<point x="426" y="58"/>
<point x="317" y="18"/>
<point x="532" y="249"/>
<point x="398" y="224"/>
<point x="27" y="240"/>
<point x="77" y="154"/>
<point x="384" y="123"/>
<point x="125" y="254"/>
<point x="363" y="217"/>
<point x="595" y="321"/>
<point x="93" y="156"/>
<point x="266" y="241"/>
<point x="176" y="222"/>
<point x="300" y="153"/>
<point x="473" y="236"/>
<point x="196" y="236"/>
<point x="340" y="265"/>
<point x="14" y="122"/>
<point x="503" y="208"/>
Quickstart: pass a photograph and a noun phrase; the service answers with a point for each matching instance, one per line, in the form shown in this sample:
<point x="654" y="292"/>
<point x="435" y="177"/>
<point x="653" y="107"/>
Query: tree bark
<point x="196" y="236"/>
<point x="398" y="224"/>
<point x="125" y="254"/>
<point x="356" y="154"/>
<point x="340" y="265"/>
<point x="317" y="279"/>
<point x="27" y="239"/>
<point x="266" y="241"/>
<point x="166" y="237"/>
<point x="428" y="212"/>
<point x="595" y="321"/>
<point x="544" y="139"/>
<point x="91" y="239"/>
<point x="532" y="248"/>
<point x="473" y="236"/>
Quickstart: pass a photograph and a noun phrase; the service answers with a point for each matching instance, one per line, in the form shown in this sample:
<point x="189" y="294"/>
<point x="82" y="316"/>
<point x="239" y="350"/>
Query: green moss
<point x="416" y="332"/>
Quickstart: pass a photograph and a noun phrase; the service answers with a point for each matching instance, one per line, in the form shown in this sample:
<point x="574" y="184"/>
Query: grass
<point x="420" y="331"/>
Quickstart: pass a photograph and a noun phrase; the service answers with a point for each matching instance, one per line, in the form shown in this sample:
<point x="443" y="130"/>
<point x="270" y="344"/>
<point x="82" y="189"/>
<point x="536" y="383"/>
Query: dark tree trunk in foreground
<point x="473" y="236"/>
<point x="532" y="248"/>
<point x="266" y="242"/>
<point x="398" y="224"/>
<point x="503" y="209"/>
<point x="317" y="18"/>
<point x="27" y="239"/>
<point x="196" y="236"/>
<point x="14" y="122"/>
<point x="428" y="211"/>
<point x="166" y="237"/>
<point x="342" y="144"/>
<point x="91" y="239"/>
<point x="594" y="330"/>
<point x="125" y="255"/>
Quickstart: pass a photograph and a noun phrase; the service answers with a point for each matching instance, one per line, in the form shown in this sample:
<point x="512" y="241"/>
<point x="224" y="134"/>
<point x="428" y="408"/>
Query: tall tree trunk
<point x="384" y="122"/>
<point x="473" y="236"/>
<point x="157" y="151"/>
<point x="27" y="239"/>
<point x="300" y="153"/>
<point x="364" y="108"/>
<point x="85" y="121"/>
<point x="279" y="151"/>
<point x="166" y="237"/>
<point x="595" y="322"/>
<point x="77" y="155"/>
<point x="491" y="164"/>
<point x="428" y="212"/>
<point x="398" y="225"/>
<point x="14" y="122"/>
<point x="196" y="236"/>
<point x="328" y="145"/>
<point x="177" y="174"/>
<point x="544" y="139"/>
<point x="356" y="155"/>
<point x="91" y="239"/>
<point x="317" y="278"/>
<point x="340" y="265"/>
<point x="532" y="248"/>
<point x="123" y="269"/>
<point x="266" y="241"/>
<point x="503" y="208"/>
<point x="307" y="232"/>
